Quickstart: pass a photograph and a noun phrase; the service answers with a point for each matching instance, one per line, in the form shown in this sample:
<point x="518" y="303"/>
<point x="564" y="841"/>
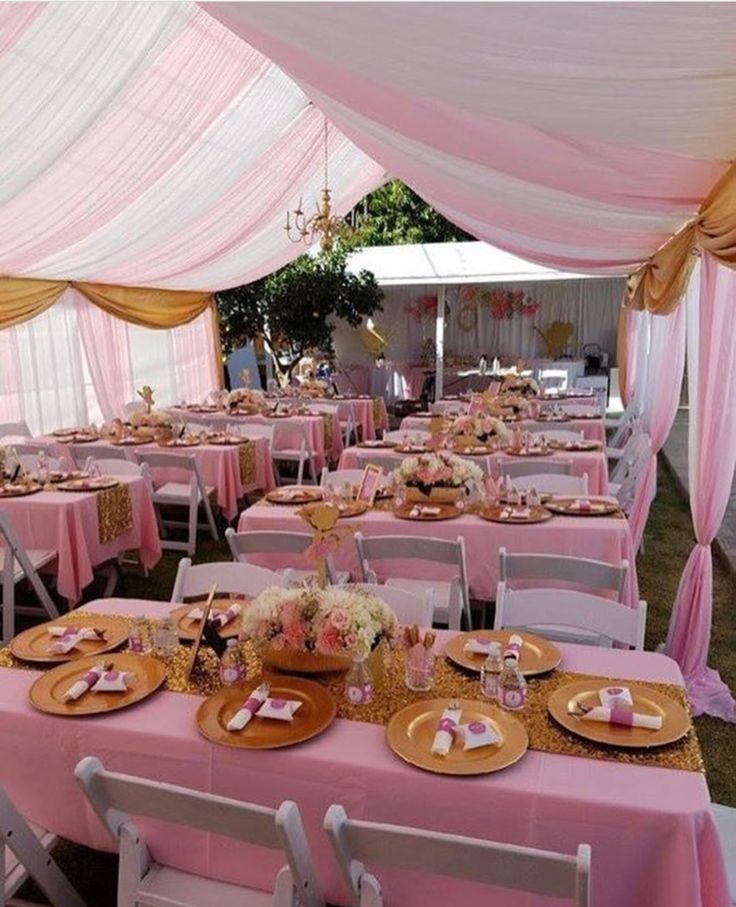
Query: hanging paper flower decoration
<point x="510" y="304"/>
<point x="423" y="309"/>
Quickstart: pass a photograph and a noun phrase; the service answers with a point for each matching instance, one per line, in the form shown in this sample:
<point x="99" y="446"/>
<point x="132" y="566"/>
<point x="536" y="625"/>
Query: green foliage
<point x="295" y="309"/>
<point x="395" y="215"/>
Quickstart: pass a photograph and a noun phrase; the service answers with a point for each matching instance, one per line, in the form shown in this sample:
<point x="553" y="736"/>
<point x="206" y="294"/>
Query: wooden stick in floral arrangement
<point x="327" y="536"/>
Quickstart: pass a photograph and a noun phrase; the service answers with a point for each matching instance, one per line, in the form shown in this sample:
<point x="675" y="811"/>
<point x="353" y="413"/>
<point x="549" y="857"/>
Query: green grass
<point x="668" y="542"/>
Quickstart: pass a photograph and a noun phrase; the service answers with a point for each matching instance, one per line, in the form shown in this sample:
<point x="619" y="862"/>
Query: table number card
<point x="200" y="633"/>
<point x="369" y="485"/>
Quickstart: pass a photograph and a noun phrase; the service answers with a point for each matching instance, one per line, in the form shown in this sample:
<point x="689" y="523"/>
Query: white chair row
<point x="117" y="798"/>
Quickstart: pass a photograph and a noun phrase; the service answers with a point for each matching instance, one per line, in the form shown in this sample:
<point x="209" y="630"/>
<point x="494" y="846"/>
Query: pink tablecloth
<point x="592" y="429"/>
<point x="599" y="538"/>
<point x="219" y="467"/>
<point x="653" y="839"/>
<point x="363" y="412"/>
<point x="66" y="522"/>
<point x="591" y="462"/>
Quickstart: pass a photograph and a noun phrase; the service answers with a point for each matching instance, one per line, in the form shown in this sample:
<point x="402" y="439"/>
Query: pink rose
<point x="295" y="635"/>
<point x="340" y="619"/>
<point x="351" y="641"/>
<point x="328" y="640"/>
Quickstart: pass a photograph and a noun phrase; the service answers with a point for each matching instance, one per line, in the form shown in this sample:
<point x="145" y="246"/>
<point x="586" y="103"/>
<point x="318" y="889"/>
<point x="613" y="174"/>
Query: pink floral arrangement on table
<point x="423" y="309"/>
<point x="520" y="384"/>
<point x="512" y="401"/>
<point x="245" y="396"/>
<point x="139" y="418"/>
<point x="510" y="303"/>
<point x="437" y="470"/>
<point x="482" y="426"/>
<point x="333" y="621"/>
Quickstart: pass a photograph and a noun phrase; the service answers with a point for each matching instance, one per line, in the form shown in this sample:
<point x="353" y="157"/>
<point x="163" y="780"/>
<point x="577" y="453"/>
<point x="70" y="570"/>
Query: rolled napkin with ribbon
<point x="66" y="638"/>
<point x="222" y="618"/>
<point x="114" y="682"/>
<point x="445" y="733"/>
<point x="249" y="708"/>
<point x="623" y="716"/>
<point x="280" y="709"/>
<point x="512" y="649"/>
<point x="616" y="697"/>
<point x="423" y="510"/>
<point x="81" y="686"/>
<point x="476" y="734"/>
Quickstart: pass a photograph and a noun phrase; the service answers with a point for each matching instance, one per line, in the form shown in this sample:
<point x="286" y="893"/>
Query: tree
<point x="294" y="309"/>
<point x="395" y="215"/>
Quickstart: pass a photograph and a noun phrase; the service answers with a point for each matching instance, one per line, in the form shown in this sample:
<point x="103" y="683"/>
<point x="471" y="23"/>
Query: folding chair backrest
<point x="115" y="797"/>
<point x="563" y="608"/>
<point x="243" y="579"/>
<point x="29" y="462"/>
<point x="339" y="477"/>
<point x="268" y="542"/>
<point x="553" y="378"/>
<point x="383" y="547"/>
<point x="502" y="865"/>
<point x="558" y="434"/>
<point x="629" y="418"/>
<point x="401" y="434"/>
<point x="13" y="429"/>
<point x="133" y="407"/>
<point x="29" y="450"/>
<point x="409" y="608"/>
<point x="289" y="428"/>
<point x="514" y="468"/>
<point x="551" y="483"/>
<point x="80" y="453"/>
<point x="597" y="383"/>
<point x="384" y="461"/>
<point x="118" y="466"/>
<point x="578" y="571"/>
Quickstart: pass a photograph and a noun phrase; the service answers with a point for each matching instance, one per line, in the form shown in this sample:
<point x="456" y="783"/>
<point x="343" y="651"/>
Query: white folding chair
<point x="82" y="453"/>
<point x="553" y="378"/>
<point x="627" y="456"/>
<point x="408" y="607"/>
<point x="302" y="454"/>
<point x="557" y="434"/>
<point x="30" y="450"/>
<point x="145" y="883"/>
<point x="508" y="866"/>
<point x="623" y="423"/>
<point x="725" y="819"/>
<point x="338" y="477"/>
<point x="551" y="483"/>
<point x="627" y="490"/>
<point x="514" y="469"/>
<point x="29" y="462"/>
<point x="243" y="544"/>
<point x="18" y="563"/>
<point x="133" y="407"/>
<point x="15" y="429"/>
<point x="597" y="383"/>
<point x="385" y="461"/>
<point x="25" y="852"/>
<point x="180" y="494"/>
<point x="452" y="597"/>
<point x="627" y="449"/>
<point x="401" y="434"/>
<point x="193" y="581"/>
<point x="571" y="616"/>
<point x="246" y="429"/>
<point x="578" y="571"/>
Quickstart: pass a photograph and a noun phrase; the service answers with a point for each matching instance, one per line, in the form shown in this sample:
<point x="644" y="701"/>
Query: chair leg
<point x="192" y="536"/>
<point x="8" y="597"/>
<point x="211" y="519"/>
<point x="300" y="472"/>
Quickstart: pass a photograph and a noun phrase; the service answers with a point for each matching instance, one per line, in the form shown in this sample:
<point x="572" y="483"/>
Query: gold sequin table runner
<point x="545" y="735"/>
<point x="247" y="454"/>
<point x="114" y="513"/>
<point x="329" y="422"/>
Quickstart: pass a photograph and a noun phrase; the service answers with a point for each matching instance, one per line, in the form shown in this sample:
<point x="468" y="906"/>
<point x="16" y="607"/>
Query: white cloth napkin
<point x="81" y="686"/>
<point x="66" y="638"/>
<point x="280" y="709"/>
<point x="513" y="646"/>
<point x="623" y="716"/>
<point x="445" y="733"/>
<point x="478" y="646"/>
<point x="423" y="510"/>
<point x="222" y="618"/>
<point x="114" y="682"/>
<point x="249" y="708"/>
<point x="477" y="733"/>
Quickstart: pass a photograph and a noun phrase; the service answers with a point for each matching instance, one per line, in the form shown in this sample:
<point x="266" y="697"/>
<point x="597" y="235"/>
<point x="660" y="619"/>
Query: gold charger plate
<point x="222" y="441"/>
<point x="529" y="452"/>
<point x="381" y="445"/>
<point x="563" y="505"/>
<point x="675" y="719"/>
<point x="63" y="432"/>
<point x="88" y="484"/>
<point x="294" y="495"/>
<point x="317" y="713"/>
<point x="493" y="513"/>
<point x="475" y="450"/>
<point x="79" y="439"/>
<point x="189" y="629"/>
<point x="538" y="655"/>
<point x="447" y="512"/>
<point x="33" y="644"/>
<point x="413" y="448"/>
<point x="411" y="731"/>
<point x="46" y="693"/>
<point x="64" y="476"/>
<point x="131" y="442"/>
<point x="195" y="442"/>
<point x="18" y="491"/>
<point x="574" y="446"/>
<point x="346" y="509"/>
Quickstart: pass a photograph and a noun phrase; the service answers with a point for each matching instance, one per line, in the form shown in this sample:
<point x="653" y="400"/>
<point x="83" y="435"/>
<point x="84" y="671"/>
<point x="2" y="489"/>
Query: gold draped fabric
<point x="659" y="284"/>
<point x="21" y="300"/>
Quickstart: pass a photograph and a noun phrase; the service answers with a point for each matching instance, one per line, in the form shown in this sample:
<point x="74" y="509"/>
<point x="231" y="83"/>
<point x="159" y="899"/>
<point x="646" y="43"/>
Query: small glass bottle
<point x="139" y="637"/>
<point x="359" y="683"/>
<point x="533" y="498"/>
<point x="512" y="685"/>
<point x="490" y="672"/>
<point x="165" y="639"/>
<point x="232" y="666"/>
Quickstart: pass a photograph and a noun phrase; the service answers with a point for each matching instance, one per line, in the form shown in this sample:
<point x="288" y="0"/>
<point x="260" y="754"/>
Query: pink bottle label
<point x="361" y="695"/>
<point x="232" y="674"/>
<point x="513" y="699"/>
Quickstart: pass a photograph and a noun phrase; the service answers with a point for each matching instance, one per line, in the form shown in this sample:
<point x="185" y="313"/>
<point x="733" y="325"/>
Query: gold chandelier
<point x="323" y="224"/>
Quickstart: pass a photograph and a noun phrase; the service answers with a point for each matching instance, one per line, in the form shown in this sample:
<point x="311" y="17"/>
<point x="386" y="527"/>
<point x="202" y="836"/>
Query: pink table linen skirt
<point x="652" y="835"/>
<point x="600" y="538"/>
<point x="66" y="522"/>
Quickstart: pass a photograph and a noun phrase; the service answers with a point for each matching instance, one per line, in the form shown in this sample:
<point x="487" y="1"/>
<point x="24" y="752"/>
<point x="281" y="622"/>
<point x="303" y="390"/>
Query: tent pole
<point x="439" y="340"/>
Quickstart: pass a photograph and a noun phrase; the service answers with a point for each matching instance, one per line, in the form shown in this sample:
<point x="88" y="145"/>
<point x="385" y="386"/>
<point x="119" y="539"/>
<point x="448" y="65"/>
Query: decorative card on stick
<point x="369" y="484"/>
<point x="327" y="536"/>
<point x="198" y="638"/>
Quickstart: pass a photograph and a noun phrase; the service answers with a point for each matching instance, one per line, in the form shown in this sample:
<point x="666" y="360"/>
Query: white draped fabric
<point x="75" y="364"/>
<point x="144" y="144"/>
<point x="580" y="136"/>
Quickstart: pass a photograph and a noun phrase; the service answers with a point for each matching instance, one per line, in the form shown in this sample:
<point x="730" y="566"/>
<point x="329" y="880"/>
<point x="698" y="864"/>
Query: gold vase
<point x="436" y="495"/>
<point x="292" y="661"/>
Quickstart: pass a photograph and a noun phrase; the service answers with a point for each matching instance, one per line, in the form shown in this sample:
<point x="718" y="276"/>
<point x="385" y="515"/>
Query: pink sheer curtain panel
<point x="107" y="347"/>
<point x="712" y="456"/>
<point x="196" y="369"/>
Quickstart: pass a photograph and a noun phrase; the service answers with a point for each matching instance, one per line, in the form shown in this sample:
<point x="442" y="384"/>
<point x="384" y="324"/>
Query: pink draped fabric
<point x="197" y="370"/>
<point x="106" y="346"/>
<point x="712" y="436"/>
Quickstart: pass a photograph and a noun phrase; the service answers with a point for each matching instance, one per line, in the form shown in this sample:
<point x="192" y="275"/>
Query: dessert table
<point x="600" y="538"/>
<point x="68" y="523"/>
<point x="229" y="471"/>
<point x="592" y="462"/>
<point x="653" y="839"/>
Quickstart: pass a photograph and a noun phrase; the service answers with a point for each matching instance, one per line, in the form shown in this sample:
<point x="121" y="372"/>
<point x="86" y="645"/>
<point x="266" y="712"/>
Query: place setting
<point x="89" y="483"/>
<point x="294" y="494"/>
<point x="70" y="639"/>
<point x="583" y="507"/>
<point x="223" y="616"/>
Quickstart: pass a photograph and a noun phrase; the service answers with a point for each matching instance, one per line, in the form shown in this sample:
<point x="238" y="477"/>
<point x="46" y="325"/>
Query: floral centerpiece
<point x="245" y="398"/>
<point x="517" y="403"/>
<point x="520" y="384"/>
<point x="313" y="387"/>
<point x="307" y="629"/>
<point x="481" y="426"/>
<point x="153" y="424"/>
<point x="438" y="476"/>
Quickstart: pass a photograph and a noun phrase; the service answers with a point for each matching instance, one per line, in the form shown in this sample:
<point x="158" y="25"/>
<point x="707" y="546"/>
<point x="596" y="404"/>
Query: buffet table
<point x="653" y="839"/>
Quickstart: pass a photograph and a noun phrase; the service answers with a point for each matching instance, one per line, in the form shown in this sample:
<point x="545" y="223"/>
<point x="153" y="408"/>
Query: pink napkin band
<point x="253" y="704"/>
<point x="92" y="676"/>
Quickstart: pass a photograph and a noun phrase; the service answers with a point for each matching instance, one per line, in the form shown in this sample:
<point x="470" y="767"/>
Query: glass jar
<point x="359" y="683"/>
